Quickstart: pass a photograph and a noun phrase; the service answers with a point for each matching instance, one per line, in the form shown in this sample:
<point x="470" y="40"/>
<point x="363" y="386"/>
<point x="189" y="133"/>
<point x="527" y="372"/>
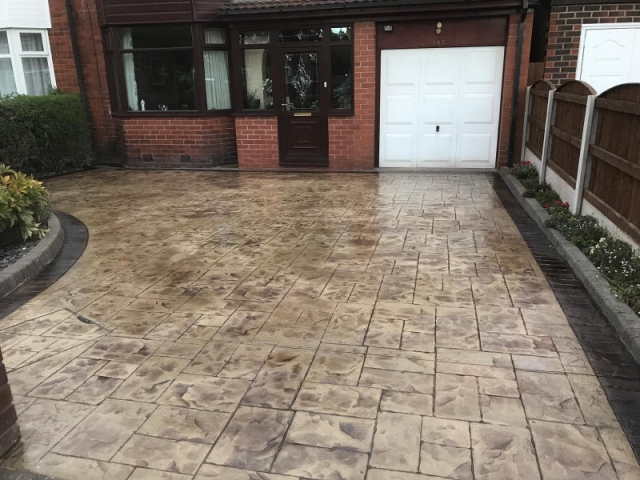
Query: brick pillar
<point x="93" y="65"/>
<point x="507" y="86"/>
<point x="9" y="430"/>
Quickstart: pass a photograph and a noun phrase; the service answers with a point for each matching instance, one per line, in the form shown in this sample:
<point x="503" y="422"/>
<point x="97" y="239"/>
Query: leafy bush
<point x="524" y="170"/>
<point x="617" y="262"/>
<point x="44" y="134"/>
<point x="24" y="207"/>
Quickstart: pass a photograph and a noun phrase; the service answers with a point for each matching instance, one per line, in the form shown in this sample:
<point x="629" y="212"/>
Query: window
<point x="269" y="60"/>
<point x="25" y="62"/>
<point x="158" y="68"/>
<point x="256" y="79"/>
<point x="341" y="69"/>
<point x="170" y="68"/>
<point x="216" y="69"/>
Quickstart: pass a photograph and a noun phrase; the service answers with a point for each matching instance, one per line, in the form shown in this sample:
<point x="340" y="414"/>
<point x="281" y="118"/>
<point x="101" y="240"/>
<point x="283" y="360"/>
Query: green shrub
<point x="24" y="207"/>
<point x="546" y="197"/>
<point x="44" y="134"/>
<point x="524" y="170"/>
<point x="529" y="183"/>
<point x="618" y="263"/>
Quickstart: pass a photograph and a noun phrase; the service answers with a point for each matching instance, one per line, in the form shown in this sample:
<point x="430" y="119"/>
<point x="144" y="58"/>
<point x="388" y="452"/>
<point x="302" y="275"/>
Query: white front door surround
<point x="440" y="107"/>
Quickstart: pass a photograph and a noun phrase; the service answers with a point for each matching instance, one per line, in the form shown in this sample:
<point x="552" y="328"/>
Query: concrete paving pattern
<point x="251" y="326"/>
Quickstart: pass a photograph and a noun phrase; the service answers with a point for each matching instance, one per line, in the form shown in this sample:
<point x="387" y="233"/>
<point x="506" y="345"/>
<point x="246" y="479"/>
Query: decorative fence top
<point x="607" y="158"/>
<point x="542" y="88"/>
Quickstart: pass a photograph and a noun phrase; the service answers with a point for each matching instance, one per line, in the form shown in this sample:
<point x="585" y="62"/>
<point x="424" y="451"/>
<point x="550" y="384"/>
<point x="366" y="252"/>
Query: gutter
<point x="75" y="46"/>
<point x="516" y="84"/>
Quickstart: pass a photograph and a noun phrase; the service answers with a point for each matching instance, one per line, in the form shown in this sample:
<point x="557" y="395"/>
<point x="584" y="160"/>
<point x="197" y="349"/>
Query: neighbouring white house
<point x="25" y="55"/>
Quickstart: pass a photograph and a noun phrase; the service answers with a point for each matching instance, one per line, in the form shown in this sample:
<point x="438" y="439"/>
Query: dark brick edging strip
<point x="613" y="365"/>
<point x="33" y="262"/>
<point x="618" y="313"/>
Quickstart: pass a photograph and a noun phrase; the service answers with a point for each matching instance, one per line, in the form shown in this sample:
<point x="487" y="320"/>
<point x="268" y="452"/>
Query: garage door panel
<point x="476" y="149"/>
<point x="403" y="69"/>
<point x="478" y="109"/>
<point x="437" y="150"/>
<point x="482" y="67"/>
<point x="438" y="109"/>
<point x="400" y="149"/>
<point x="440" y="67"/>
<point x="400" y="110"/>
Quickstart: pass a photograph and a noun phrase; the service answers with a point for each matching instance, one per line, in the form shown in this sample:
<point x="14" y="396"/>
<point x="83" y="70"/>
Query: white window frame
<point x="16" y="55"/>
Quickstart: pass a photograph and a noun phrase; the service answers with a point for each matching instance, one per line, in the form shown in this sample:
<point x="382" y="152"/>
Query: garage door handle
<point x="437" y="128"/>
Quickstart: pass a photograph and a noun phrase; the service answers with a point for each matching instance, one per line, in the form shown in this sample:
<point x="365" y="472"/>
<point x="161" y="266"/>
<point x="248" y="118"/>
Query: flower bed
<point x="614" y="258"/>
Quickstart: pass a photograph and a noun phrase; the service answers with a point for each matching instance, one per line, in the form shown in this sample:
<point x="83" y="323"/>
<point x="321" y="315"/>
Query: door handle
<point x="437" y="128"/>
<point x="286" y="105"/>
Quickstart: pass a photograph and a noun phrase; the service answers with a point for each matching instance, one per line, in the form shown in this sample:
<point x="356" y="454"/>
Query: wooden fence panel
<point x="537" y="115"/>
<point x="570" y="103"/>
<point x="614" y="178"/>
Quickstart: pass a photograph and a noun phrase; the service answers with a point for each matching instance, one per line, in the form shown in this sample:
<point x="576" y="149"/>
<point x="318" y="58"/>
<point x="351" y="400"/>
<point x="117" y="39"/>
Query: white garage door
<point x="440" y="107"/>
<point x="609" y="56"/>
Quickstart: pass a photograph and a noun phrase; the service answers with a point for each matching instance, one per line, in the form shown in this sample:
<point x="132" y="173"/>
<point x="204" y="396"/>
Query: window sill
<point x="255" y="113"/>
<point x="172" y="113"/>
<point x="341" y="113"/>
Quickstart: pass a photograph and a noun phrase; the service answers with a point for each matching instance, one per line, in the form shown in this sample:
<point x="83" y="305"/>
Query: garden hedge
<point x="46" y="134"/>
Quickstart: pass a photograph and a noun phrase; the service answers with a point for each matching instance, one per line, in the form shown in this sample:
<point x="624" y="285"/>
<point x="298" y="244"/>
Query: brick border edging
<point x="618" y="313"/>
<point x="34" y="261"/>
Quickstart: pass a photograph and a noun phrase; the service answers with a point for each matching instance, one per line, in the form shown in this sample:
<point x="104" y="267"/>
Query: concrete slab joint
<point x="620" y="315"/>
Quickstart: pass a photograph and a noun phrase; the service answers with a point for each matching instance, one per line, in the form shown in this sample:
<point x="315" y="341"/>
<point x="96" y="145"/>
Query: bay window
<point x="169" y="68"/>
<point x="25" y="62"/>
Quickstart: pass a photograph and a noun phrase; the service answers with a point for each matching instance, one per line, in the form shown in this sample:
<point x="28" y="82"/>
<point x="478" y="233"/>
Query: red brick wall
<point x="507" y="86"/>
<point x="565" y="26"/>
<point x="210" y="141"/>
<point x="257" y="142"/>
<point x="351" y="139"/>
<point x="92" y="57"/>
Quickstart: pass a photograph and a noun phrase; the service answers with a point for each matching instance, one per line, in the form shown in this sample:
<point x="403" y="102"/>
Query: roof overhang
<point x="280" y="9"/>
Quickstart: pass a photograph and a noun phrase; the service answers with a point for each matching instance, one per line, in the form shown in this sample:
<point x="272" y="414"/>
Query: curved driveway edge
<point x="618" y="313"/>
<point x="33" y="262"/>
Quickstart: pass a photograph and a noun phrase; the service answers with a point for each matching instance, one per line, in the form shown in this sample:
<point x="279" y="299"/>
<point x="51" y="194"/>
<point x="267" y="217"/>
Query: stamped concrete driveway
<point x="279" y="327"/>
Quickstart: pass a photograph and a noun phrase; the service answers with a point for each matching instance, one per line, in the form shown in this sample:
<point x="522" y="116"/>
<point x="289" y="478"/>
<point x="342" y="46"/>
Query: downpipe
<point x="516" y="83"/>
<point x="75" y="46"/>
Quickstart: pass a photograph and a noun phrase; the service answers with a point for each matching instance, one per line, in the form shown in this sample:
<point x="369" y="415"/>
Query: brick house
<point x="328" y="84"/>
<point x="597" y="42"/>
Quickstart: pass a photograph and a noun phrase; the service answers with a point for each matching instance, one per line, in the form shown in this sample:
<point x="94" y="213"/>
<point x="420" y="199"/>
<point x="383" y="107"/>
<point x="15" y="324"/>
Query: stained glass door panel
<point x="302" y="86"/>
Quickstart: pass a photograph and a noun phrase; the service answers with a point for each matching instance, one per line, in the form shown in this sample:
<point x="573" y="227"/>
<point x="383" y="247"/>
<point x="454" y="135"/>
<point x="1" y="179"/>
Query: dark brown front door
<point x="302" y="122"/>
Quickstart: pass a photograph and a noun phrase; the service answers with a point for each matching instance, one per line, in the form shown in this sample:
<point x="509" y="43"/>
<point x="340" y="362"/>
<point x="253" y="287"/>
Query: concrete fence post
<point x="525" y="125"/>
<point x="546" y="143"/>
<point x="584" y="160"/>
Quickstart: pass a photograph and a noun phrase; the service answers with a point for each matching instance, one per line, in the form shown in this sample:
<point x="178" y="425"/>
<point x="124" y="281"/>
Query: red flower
<point x="527" y="162"/>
